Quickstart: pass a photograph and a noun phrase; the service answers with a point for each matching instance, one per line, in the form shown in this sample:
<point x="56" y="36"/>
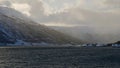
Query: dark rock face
<point x="18" y="27"/>
<point x="5" y="39"/>
<point x="118" y="42"/>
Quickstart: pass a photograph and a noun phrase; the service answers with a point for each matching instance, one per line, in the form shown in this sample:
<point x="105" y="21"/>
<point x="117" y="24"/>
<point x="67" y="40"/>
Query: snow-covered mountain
<point x="15" y="26"/>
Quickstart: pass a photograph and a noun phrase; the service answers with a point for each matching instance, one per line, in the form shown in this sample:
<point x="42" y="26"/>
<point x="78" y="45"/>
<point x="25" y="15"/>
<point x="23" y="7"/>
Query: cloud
<point x="115" y="3"/>
<point x="21" y="7"/>
<point x="79" y="16"/>
<point x="5" y="3"/>
<point x="24" y="8"/>
<point x="76" y="12"/>
<point x="32" y="8"/>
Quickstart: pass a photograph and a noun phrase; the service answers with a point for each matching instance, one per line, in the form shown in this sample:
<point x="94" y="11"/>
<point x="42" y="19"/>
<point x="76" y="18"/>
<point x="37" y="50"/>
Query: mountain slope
<point x="15" y="26"/>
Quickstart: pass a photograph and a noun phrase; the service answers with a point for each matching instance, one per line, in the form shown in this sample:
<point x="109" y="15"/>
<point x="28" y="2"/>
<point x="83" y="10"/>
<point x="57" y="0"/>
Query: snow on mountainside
<point x="15" y="26"/>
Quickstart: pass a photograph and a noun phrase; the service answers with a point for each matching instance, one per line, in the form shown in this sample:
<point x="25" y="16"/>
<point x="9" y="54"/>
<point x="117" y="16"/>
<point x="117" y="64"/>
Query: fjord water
<point x="59" y="57"/>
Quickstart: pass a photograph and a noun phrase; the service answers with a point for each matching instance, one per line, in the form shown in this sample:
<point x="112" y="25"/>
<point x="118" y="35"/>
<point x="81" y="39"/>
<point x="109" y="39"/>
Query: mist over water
<point x="103" y="35"/>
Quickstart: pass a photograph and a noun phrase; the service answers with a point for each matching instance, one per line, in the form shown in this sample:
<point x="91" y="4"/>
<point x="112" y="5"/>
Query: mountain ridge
<point x="15" y="27"/>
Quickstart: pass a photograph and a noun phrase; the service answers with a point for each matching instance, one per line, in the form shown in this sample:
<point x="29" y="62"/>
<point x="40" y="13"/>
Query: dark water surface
<point x="59" y="57"/>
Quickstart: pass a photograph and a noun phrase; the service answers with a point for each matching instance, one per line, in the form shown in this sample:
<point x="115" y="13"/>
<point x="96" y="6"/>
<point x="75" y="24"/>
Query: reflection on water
<point x="39" y="57"/>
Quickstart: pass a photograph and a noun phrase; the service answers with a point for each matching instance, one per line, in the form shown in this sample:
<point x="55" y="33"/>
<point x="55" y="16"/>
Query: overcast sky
<point x="102" y="16"/>
<point x="69" y="12"/>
